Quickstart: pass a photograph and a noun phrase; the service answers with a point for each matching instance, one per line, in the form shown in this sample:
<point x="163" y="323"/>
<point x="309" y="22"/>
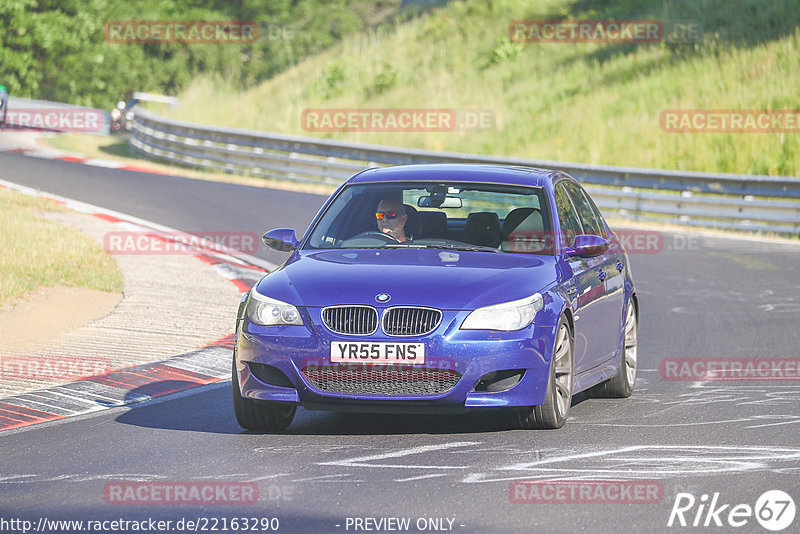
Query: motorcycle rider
<point x="3" y="104"/>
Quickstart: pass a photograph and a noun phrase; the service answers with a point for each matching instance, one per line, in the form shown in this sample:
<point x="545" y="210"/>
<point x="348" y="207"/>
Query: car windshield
<point x="446" y="215"/>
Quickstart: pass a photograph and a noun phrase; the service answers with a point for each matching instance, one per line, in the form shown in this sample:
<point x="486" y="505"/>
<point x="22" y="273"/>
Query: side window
<point x="596" y="211"/>
<point x="589" y="219"/>
<point x="570" y="225"/>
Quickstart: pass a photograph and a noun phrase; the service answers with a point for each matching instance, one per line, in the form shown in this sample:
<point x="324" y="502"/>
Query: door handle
<point x="601" y="275"/>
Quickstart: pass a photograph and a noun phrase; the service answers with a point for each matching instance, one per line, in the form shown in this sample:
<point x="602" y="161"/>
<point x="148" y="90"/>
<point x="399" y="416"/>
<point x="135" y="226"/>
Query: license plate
<point x="382" y="353"/>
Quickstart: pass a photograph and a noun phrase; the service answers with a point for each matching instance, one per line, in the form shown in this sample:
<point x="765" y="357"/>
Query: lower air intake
<point x="381" y="379"/>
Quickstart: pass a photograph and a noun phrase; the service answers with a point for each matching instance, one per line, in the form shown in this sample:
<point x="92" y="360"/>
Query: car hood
<point x="443" y="279"/>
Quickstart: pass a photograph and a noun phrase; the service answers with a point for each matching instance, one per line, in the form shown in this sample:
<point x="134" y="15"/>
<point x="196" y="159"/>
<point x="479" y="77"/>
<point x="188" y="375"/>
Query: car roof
<point x="460" y="172"/>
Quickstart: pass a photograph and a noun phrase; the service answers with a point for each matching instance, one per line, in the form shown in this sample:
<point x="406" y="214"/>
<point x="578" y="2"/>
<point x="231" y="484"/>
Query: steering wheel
<point x="372" y="233"/>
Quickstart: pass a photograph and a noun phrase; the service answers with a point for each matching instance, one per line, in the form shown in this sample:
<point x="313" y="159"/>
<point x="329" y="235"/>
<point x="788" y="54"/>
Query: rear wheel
<point x="621" y="386"/>
<point x="259" y="415"/>
<point x="558" y="397"/>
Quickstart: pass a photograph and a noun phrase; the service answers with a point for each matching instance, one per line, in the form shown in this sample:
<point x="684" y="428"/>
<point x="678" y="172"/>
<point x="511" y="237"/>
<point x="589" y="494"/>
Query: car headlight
<point x="508" y="316"/>
<point x="115" y="113"/>
<point x="266" y="311"/>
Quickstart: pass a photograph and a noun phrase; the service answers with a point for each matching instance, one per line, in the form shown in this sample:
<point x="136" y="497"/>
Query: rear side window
<point x="586" y="212"/>
<point x="570" y="226"/>
<point x="596" y="210"/>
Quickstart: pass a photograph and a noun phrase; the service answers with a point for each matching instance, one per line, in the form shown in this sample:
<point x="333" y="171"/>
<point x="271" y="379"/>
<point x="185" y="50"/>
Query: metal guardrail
<point x="742" y="202"/>
<point x="152" y="97"/>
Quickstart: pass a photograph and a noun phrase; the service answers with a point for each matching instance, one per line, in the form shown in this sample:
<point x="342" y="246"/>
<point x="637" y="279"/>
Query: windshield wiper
<point x="471" y="248"/>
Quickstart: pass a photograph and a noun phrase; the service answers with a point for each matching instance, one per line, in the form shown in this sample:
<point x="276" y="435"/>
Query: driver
<point x="391" y="216"/>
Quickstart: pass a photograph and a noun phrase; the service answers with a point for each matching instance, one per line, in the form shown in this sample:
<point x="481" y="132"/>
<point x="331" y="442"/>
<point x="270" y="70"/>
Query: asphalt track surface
<point x="699" y="298"/>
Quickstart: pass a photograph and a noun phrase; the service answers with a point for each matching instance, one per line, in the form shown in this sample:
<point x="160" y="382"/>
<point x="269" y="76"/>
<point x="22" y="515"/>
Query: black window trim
<point x="606" y="231"/>
<point x="592" y="207"/>
<point x="561" y="183"/>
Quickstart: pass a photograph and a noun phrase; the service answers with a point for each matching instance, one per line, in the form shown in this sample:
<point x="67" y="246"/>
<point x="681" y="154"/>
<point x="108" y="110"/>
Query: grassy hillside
<point x="591" y="102"/>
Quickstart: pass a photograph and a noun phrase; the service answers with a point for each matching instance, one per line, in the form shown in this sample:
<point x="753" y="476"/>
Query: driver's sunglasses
<point x="386" y="215"/>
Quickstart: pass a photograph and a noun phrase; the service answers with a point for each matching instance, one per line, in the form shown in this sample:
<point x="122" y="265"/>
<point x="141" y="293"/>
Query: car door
<point x="583" y="288"/>
<point x="608" y="300"/>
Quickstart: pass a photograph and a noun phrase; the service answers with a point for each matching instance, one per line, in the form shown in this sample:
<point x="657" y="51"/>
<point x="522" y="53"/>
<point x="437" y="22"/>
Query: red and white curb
<point x="77" y="158"/>
<point x="121" y="387"/>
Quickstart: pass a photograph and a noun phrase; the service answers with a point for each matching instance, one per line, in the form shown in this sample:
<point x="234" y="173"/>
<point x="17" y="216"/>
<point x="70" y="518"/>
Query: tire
<point x="621" y="385"/>
<point x="259" y="416"/>
<point x="558" y="397"/>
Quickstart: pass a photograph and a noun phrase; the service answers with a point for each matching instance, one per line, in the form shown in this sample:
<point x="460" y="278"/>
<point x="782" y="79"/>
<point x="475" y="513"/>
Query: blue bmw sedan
<point x="436" y="289"/>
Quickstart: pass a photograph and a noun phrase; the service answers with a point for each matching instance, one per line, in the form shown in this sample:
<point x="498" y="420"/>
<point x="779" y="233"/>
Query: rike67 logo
<point x="774" y="510"/>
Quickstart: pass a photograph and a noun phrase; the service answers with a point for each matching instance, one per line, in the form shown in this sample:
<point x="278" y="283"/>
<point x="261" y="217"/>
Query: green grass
<point x="38" y="252"/>
<point x="94" y="146"/>
<point x="593" y="103"/>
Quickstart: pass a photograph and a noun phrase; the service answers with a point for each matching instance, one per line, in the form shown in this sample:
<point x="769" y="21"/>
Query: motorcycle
<point x="122" y="116"/>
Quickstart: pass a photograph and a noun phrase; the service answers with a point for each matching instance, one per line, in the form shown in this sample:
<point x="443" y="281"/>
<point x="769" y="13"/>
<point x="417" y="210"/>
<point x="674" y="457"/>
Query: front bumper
<point x="470" y="353"/>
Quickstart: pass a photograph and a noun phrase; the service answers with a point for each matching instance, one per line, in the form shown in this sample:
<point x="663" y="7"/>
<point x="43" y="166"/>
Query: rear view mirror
<point x="438" y="201"/>
<point x="281" y="239"/>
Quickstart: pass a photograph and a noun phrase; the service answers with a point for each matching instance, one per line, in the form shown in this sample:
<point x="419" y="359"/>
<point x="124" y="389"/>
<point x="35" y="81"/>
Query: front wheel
<point x="558" y="397"/>
<point x="259" y="416"/>
<point x="621" y="385"/>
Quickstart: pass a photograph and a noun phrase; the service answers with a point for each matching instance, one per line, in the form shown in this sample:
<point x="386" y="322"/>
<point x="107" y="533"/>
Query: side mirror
<point x="587" y="246"/>
<point x="281" y="239"/>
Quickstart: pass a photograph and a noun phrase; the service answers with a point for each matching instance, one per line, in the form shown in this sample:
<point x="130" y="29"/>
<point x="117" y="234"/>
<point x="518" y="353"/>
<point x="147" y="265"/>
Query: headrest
<point x="413" y="222"/>
<point x="523" y="219"/>
<point x="434" y="223"/>
<point x="483" y="228"/>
